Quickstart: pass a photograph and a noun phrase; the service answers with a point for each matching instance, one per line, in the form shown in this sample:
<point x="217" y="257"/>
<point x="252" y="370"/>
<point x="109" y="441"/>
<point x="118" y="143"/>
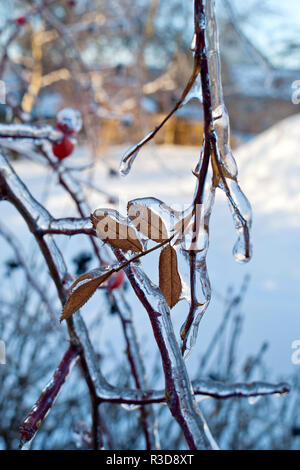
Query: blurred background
<point x="124" y="64"/>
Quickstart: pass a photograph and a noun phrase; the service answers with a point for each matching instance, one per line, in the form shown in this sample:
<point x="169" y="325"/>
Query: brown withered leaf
<point x="81" y="290"/>
<point x="118" y="234"/>
<point x="147" y="222"/>
<point x="169" y="279"/>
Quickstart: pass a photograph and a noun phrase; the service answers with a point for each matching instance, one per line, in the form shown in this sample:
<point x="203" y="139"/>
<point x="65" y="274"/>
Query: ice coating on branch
<point x="221" y="123"/>
<point x="70" y="119"/>
<point x="28" y="132"/>
<point x="216" y="168"/>
<point x="39" y="411"/>
<point x="199" y="298"/>
<point x="195" y="91"/>
<point x="192" y="257"/>
<point x="253" y="391"/>
<point x="159" y="311"/>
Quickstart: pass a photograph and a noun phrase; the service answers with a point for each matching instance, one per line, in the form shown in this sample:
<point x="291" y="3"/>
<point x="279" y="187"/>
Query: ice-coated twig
<point x="71" y="227"/>
<point x="41" y="408"/>
<point x="178" y="391"/>
<point x="220" y="390"/>
<point x="29" y="132"/>
<point x="216" y="168"/>
<point x="133" y="351"/>
<point x="225" y="168"/>
<point x="129" y="156"/>
<point x="197" y="255"/>
<point x="13" y="189"/>
<point x="216" y="152"/>
<point x="179" y="396"/>
<point x="68" y="226"/>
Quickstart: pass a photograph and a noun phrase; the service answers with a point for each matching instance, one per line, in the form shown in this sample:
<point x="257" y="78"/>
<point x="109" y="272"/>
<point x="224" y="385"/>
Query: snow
<point x="269" y="173"/>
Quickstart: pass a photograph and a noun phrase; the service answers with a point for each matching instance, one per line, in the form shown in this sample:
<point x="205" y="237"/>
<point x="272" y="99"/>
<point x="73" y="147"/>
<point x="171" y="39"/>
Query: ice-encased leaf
<point x="169" y="279"/>
<point x="116" y="230"/>
<point x="83" y="288"/>
<point x="151" y="217"/>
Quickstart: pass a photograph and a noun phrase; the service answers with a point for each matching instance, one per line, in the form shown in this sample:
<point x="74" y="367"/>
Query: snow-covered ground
<point x="269" y="173"/>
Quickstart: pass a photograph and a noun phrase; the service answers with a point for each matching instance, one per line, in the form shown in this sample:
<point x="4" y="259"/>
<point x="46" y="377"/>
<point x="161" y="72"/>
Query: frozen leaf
<point x="83" y="288"/>
<point x="116" y="230"/>
<point x="169" y="279"/>
<point x="147" y="220"/>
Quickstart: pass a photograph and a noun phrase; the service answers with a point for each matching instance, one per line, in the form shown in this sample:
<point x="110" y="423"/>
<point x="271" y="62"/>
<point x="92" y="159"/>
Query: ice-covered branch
<point x="178" y="392"/>
<point x="74" y="226"/>
<point x="29" y="132"/>
<point x="222" y="390"/>
<point x="68" y="226"/>
<point x="133" y="351"/>
<point x="39" y="411"/>
<point x="38" y="218"/>
<point x="208" y="388"/>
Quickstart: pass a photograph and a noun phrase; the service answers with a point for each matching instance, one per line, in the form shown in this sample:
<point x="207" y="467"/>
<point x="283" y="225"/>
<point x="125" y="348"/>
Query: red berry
<point x="115" y="280"/>
<point x="21" y="20"/>
<point x="63" y="149"/>
<point x="64" y="128"/>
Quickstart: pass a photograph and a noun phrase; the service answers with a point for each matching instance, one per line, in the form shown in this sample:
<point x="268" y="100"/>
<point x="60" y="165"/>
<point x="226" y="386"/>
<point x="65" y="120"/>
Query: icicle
<point x="199" y="297"/>
<point x="127" y="407"/>
<point x="195" y="280"/>
<point x="39" y="411"/>
<point x="240" y="207"/>
<point x="131" y="154"/>
<point x="254" y="400"/>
